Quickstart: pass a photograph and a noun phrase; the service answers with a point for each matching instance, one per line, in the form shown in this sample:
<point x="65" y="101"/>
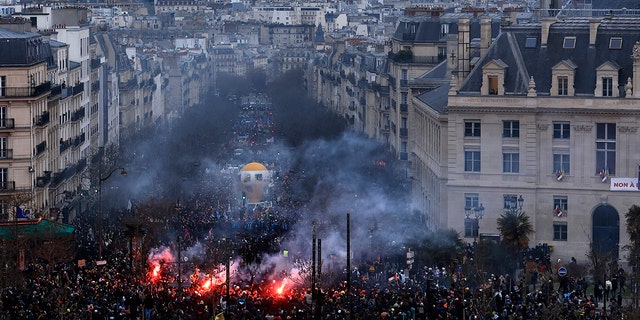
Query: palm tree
<point x="515" y="228"/>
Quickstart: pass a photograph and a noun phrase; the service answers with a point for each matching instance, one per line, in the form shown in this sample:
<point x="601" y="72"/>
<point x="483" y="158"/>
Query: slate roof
<point x="428" y="29"/>
<point x="23" y="49"/>
<point x="538" y="61"/>
<point x="438" y="97"/>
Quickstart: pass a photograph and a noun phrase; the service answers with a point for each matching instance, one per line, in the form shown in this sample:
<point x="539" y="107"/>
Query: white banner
<point x="624" y="184"/>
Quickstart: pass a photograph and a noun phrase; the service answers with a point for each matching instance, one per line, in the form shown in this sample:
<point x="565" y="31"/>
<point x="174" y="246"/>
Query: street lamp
<point x="515" y="204"/>
<point x="178" y="209"/>
<point x="474" y="215"/>
<point x="101" y="180"/>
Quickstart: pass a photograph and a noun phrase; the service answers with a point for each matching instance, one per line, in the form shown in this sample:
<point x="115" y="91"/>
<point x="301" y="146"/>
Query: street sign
<point x="562" y="271"/>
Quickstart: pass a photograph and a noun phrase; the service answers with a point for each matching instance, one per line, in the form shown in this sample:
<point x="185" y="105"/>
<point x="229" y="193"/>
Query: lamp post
<point x="474" y="215"/>
<point x="101" y="180"/>
<point x="514" y="206"/>
<point x="178" y="209"/>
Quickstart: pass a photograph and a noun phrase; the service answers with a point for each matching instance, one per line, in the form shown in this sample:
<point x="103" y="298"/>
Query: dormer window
<point x="615" y="43"/>
<point x="493" y="85"/>
<point x="493" y="74"/>
<point x="607" y="80"/>
<point x="562" y="80"/>
<point x="563" y="85"/>
<point x="569" y="43"/>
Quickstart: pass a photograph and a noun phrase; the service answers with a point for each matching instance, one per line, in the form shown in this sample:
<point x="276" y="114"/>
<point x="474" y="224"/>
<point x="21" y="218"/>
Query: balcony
<point x="95" y="63"/>
<point x="42" y="119"/>
<point x="78" y="140"/>
<point x="404" y="82"/>
<point x="56" y="90"/>
<point x="22" y="92"/>
<point x="95" y="86"/>
<point x="7" y="186"/>
<point x="6" y="154"/>
<point x="42" y="181"/>
<point x="72" y="91"/>
<point x="65" y="144"/>
<point x="78" y="114"/>
<point x="41" y="147"/>
<point x="404" y="132"/>
<point x="7" y="123"/>
<point x="404" y="107"/>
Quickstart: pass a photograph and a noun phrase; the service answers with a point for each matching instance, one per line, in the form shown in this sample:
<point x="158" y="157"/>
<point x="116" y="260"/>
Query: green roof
<point x="41" y="228"/>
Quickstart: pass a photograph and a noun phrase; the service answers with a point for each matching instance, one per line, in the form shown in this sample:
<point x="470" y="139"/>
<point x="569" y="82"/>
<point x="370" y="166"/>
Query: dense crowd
<point x="379" y="289"/>
<point x="122" y="285"/>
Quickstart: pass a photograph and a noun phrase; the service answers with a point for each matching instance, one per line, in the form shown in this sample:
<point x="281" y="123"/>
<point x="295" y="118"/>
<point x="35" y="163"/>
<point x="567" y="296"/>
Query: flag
<point x="20" y="213"/>
<point x="220" y="316"/>
<point x="393" y="278"/>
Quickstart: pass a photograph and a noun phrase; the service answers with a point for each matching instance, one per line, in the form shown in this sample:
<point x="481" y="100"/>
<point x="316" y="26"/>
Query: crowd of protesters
<point x="112" y="286"/>
<point x="379" y="289"/>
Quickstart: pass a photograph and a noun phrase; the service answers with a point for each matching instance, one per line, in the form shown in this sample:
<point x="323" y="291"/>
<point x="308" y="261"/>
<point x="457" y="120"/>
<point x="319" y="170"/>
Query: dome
<point x="254" y="166"/>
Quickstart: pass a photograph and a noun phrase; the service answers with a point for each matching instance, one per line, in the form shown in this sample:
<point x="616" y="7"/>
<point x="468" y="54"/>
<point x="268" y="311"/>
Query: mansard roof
<point x="515" y="47"/>
<point x="23" y="49"/>
<point x="427" y="29"/>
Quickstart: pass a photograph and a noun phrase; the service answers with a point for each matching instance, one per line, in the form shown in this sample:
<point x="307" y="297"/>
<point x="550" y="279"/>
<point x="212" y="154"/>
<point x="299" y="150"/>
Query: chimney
<point x="546" y="24"/>
<point x="485" y="35"/>
<point x="594" y="23"/>
<point x="464" y="44"/>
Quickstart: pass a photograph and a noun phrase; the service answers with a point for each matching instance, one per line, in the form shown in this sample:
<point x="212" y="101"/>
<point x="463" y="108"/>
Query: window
<point x="561" y="130"/>
<point x="569" y="42"/>
<point x="561" y="163"/>
<point x="560" y="204"/>
<point x="606" y="148"/>
<point x="3" y="117"/>
<point x="3" y="85"/>
<point x="4" y="151"/>
<point x="471" y="227"/>
<point x="405" y="74"/>
<point x="472" y="161"/>
<point x="472" y="128"/>
<point x="510" y="162"/>
<point x="607" y="87"/>
<point x="404" y="97"/>
<point x="531" y="42"/>
<point x="563" y="85"/>
<point x="471" y="200"/>
<point x="559" y="231"/>
<point x="4" y="178"/>
<point x="493" y="85"/>
<point x="444" y="29"/>
<point x="511" y="129"/>
<point x="615" y="43"/>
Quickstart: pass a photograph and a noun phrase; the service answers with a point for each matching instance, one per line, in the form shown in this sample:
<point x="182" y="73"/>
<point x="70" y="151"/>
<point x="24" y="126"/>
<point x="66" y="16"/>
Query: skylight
<point x="569" y="42"/>
<point x="615" y="43"/>
<point x="531" y="42"/>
